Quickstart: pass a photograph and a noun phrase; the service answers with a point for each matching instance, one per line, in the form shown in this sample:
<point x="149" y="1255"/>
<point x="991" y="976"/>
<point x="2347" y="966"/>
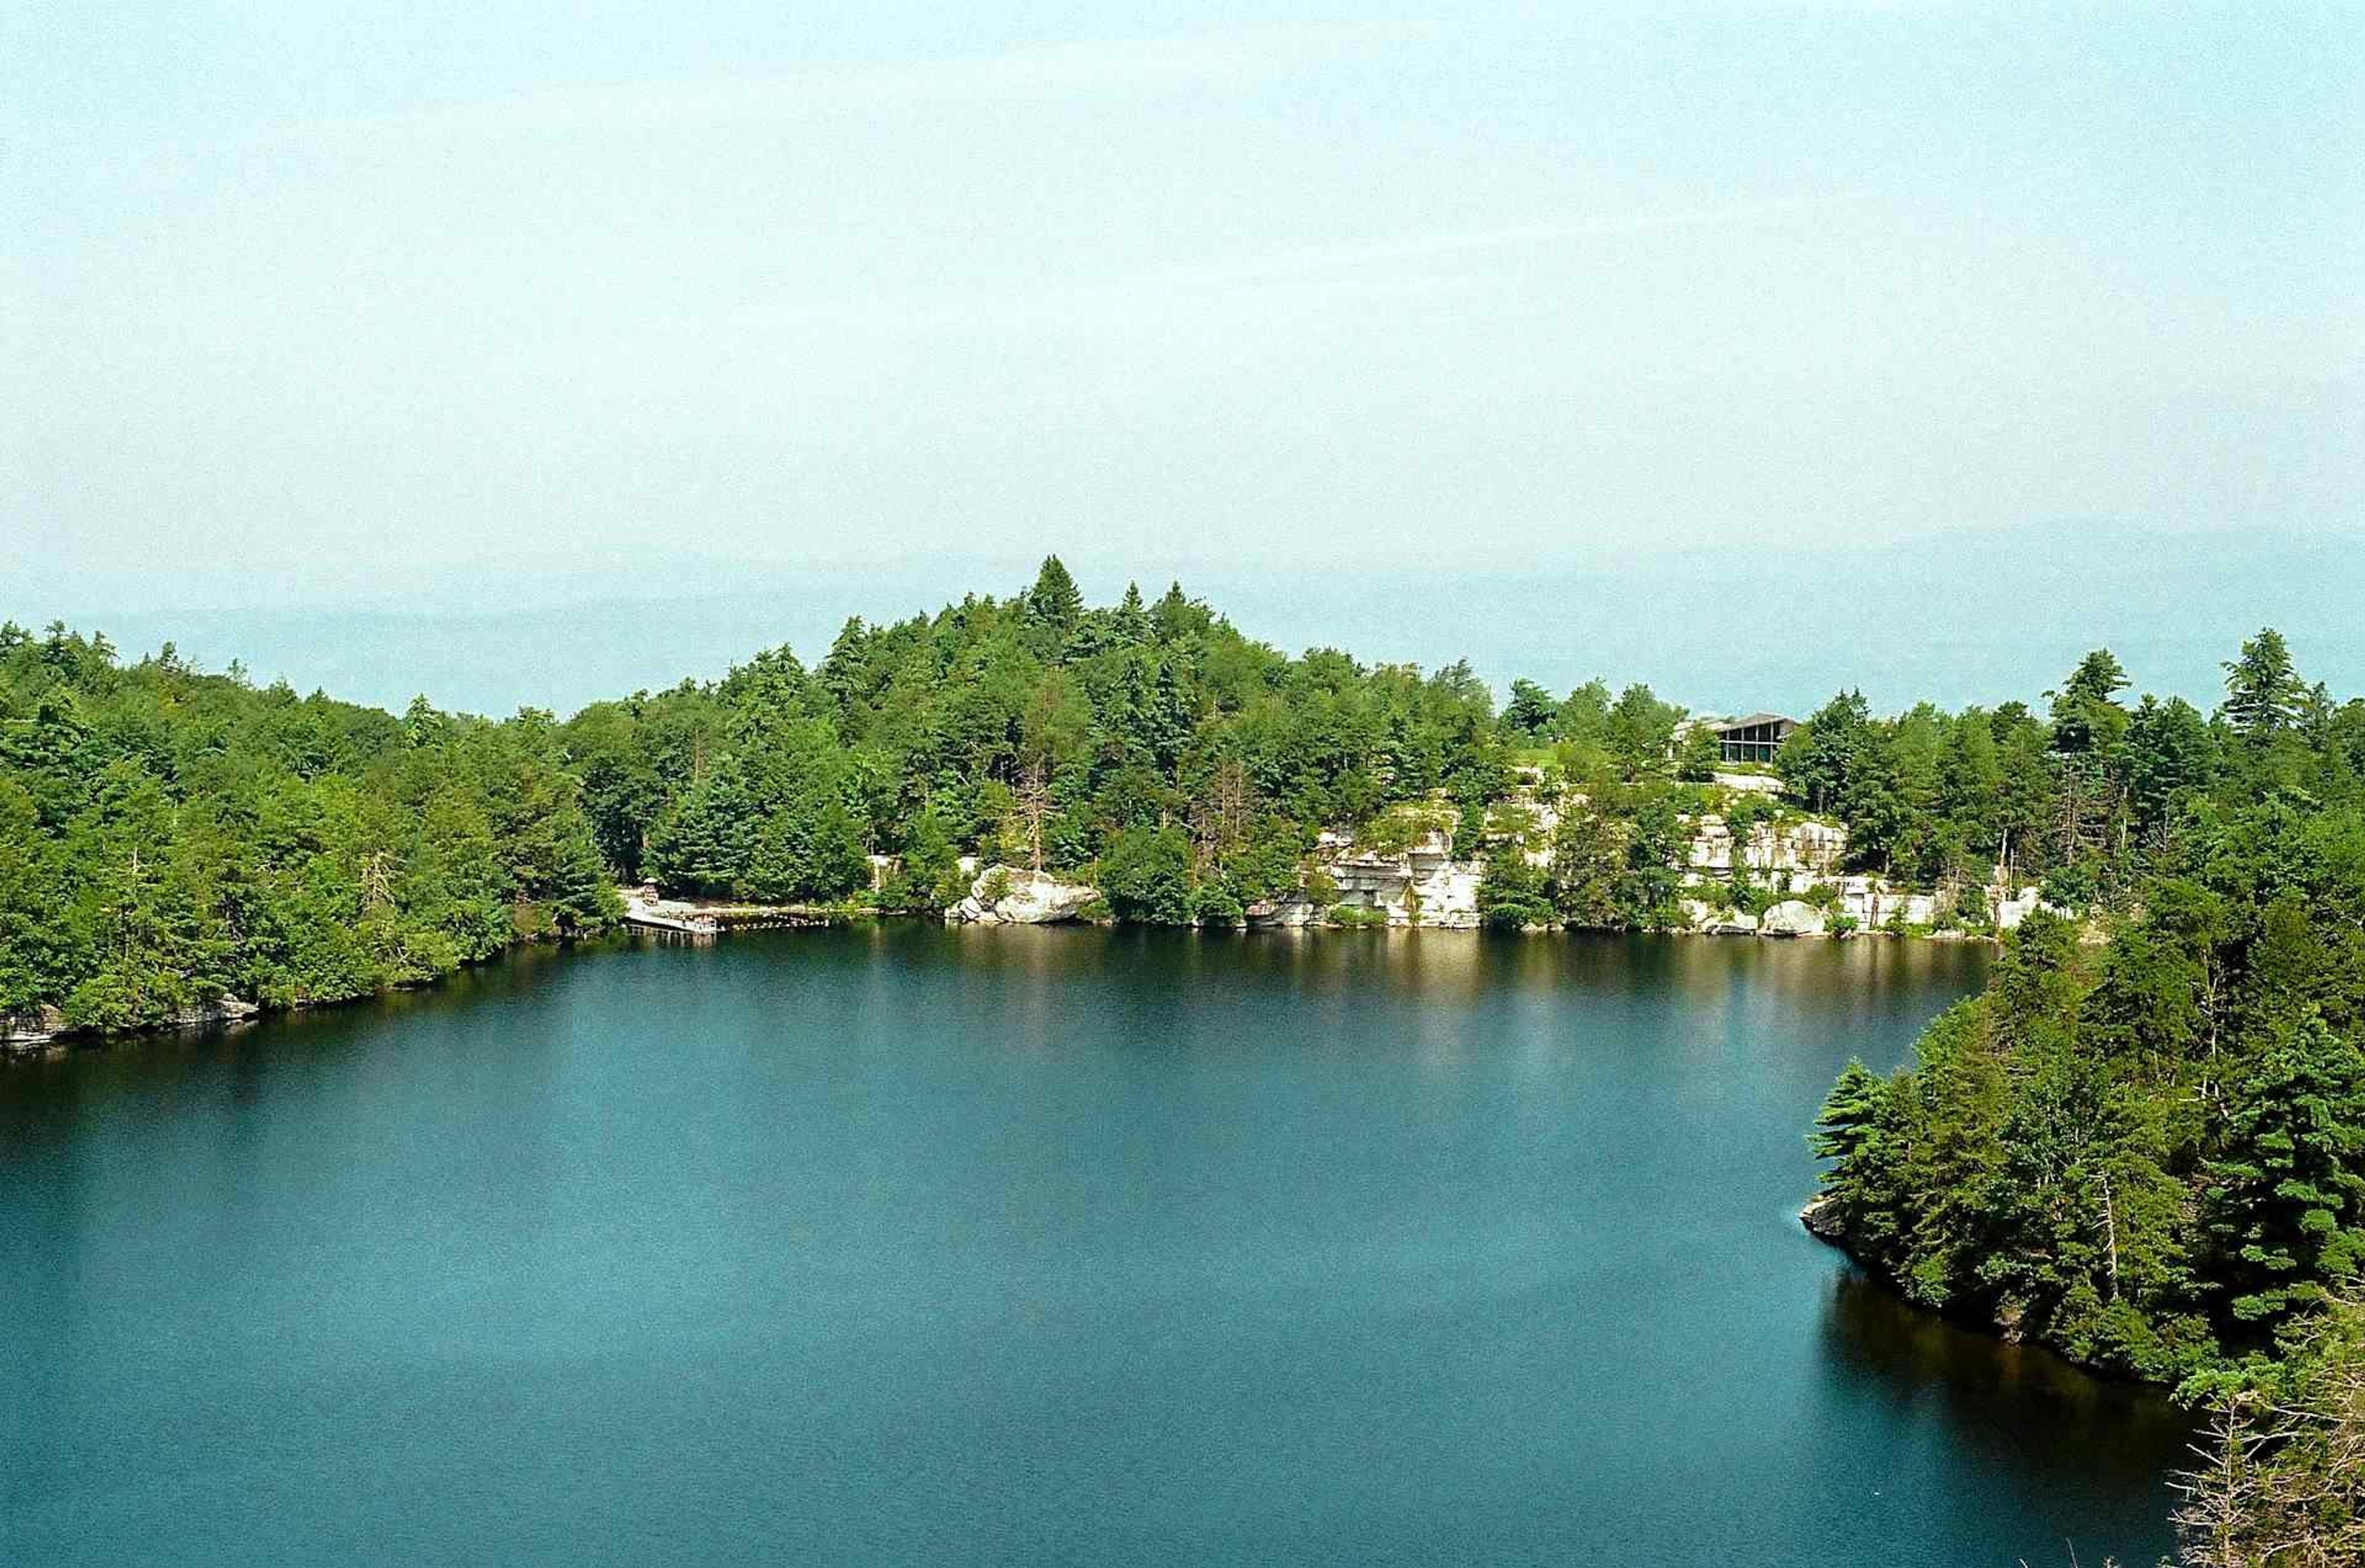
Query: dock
<point x="701" y="921"/>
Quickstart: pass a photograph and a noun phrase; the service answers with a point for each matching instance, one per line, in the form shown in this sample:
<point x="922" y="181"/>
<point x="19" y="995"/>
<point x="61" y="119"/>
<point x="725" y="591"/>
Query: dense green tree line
<point x="1184" y="766"/>
<point x="2087" y="798"/>
<point x="2148" y="1151"/>
<point x="169" y="838"/>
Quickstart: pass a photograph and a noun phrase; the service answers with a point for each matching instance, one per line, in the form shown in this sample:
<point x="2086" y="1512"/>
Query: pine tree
<point x="2286" y="1198"/>
<point x="2263" y="691"/>
<point x="1847" y="1122"/>
<point x="1054" y="604"/>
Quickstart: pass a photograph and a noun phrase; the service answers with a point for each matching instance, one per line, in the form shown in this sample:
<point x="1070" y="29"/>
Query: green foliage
<point x="1531" y="712"/>
<point x="2284" y="1204"/>
<point x="2281" y="1482"/>
<point x="1145" y="874"/>
<point x="1513" y="893"/>
<point x="2263" y="691"/>
<point x="1038" y="730"/>
<point x="169" y="838"/>
<point x="1818" y="762"/>
<point x="1700" y="756"/>
<point x="2151" y="1155"/>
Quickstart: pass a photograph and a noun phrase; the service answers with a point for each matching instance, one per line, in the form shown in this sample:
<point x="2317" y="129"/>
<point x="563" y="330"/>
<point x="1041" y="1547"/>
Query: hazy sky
<point x="291" y="296"/>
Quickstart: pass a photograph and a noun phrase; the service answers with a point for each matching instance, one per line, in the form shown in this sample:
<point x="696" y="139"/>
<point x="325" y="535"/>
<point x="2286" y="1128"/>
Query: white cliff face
<point x="1805" y="845"/>
<point x="1787" y="860"/>
<point x="1875" y="906"/>
<point x="1803" y="857"/>
<point x="1423" y="886"/>
<point x="1005" y="895"/>
<point x="1291" y="910"/>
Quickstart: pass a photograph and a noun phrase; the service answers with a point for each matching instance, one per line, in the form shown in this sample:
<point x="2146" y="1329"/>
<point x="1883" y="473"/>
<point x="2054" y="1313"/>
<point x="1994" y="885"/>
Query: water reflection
<point x="2016" y="1413"/>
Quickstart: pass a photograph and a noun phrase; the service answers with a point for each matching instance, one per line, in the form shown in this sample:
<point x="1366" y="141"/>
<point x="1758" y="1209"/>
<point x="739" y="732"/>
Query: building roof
<point x="1754" y="720"/>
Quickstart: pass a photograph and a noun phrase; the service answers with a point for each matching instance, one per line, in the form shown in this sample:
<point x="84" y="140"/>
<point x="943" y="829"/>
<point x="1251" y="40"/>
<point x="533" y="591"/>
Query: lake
<point x="1019" y="1246"/>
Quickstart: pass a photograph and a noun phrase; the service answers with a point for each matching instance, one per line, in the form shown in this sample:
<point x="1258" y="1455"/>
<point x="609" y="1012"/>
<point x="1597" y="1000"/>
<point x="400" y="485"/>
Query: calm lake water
<point x="1019" y="1246"/>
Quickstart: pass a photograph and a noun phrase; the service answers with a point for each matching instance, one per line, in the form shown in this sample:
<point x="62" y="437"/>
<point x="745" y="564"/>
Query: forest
<point x="2147" y="1150"/>
<point x="169" y="839"/>
<point x="174" y="836"/>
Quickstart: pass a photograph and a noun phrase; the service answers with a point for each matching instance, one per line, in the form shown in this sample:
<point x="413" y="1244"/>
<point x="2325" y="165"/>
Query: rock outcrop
<point x="1820" y="1219"/>
<point x="220" y="1010"/>
<point x="1874" y="905"/>
<point x="1805" y="845"/>
<point x="1747" y="783"/>
<point x="41" y="1028"/>
<point x="2009" y="911"/>
<point x="1793" y="917"/>
<point x="30" y="1030"/>
<point x="1423" y="886"/>
<point x="1005" y="895"/>
<point x="1291" y="910"/>
<point x="1710" y="921"/>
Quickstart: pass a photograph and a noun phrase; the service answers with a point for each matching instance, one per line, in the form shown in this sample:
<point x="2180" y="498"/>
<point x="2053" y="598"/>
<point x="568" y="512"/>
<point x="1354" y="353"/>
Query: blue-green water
<point x="1017" y="1247"/>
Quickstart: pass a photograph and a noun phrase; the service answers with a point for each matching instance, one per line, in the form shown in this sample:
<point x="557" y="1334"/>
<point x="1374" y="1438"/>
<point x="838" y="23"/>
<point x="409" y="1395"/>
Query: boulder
<point x="1292" y="909"/>
<point x="1713" y="920"/>
<point x="30" y="1029"/>
<point x="1004" y="895"/>
<point x="1793" y="917"/>
<point x="220" y="1010"/>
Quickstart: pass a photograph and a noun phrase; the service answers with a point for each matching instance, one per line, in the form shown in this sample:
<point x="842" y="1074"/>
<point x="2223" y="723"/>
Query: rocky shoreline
<point x="41" y="1031"/>
<point x="1422" y="885"/>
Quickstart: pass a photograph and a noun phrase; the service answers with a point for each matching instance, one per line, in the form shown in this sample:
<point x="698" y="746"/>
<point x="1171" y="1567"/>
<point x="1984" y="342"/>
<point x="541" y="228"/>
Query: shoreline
<point x="702" y="921"/>
<point x="1832" y="1236"/>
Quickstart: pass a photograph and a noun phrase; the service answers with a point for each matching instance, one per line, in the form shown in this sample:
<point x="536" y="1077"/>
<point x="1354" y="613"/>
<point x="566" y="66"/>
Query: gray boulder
<point x="1793" y="917"/>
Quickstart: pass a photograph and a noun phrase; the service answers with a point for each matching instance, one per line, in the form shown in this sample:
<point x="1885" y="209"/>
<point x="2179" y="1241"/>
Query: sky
<point x="305" y="303"/>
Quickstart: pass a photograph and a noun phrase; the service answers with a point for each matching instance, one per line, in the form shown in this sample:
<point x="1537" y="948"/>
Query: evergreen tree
<point x="2286" y="1198"/>
<point x="2263" y="691"/>
<point x="1054" y="604"/>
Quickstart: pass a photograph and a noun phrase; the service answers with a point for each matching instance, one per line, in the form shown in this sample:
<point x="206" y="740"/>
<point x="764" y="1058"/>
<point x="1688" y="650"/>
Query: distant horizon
<point x="563" y="637"/>
<point x="496" y="579"/>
